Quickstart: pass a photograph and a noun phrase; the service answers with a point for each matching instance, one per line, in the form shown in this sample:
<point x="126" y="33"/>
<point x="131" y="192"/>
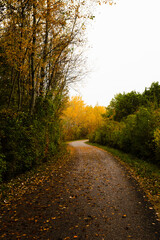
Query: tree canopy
<point x="132" y="124"/>
<point x="125" y="104"/>
<point x="79" y="119"/>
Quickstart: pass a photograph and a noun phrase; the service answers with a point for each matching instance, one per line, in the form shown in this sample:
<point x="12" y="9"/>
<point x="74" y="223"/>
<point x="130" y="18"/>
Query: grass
<point x="146" y="174"/>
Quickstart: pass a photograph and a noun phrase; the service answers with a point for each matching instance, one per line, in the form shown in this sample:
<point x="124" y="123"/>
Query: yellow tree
<point x="79" y="120"/>
<point x="37" y="40"/>
<point x="94" y="117"/>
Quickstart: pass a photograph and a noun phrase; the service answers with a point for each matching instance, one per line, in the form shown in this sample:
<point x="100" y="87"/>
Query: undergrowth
<point x="28" y="181"/>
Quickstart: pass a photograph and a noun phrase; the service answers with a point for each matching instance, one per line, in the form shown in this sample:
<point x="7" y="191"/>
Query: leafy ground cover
<point x="146" y="173"/>
<point x="25" y="200"/>
<point x="28" y="181"/>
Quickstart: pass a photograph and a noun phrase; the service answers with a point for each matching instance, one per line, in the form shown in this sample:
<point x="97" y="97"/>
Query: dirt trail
<point x="91" y="197"/>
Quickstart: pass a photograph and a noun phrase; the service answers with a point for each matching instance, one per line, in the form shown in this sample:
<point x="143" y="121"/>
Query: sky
<point x="123" y="50"/>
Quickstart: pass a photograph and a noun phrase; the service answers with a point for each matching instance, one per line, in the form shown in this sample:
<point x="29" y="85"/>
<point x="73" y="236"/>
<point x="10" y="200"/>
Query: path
<point x="92" y="197"/>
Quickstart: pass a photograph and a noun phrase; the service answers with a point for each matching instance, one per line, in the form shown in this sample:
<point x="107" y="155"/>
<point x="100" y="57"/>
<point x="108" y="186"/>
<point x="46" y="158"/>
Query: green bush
<point x="17" y="144"/>
<point x="143" y="134"/>
<point x="92" y="137"/>
<point x="157" y="144"/>
<point x="98" y="136"/>
<point x="2" y="163"/>
<point x="132" y="124"/>
<point x="136" y="135"/>
<point x="28" y="141"/>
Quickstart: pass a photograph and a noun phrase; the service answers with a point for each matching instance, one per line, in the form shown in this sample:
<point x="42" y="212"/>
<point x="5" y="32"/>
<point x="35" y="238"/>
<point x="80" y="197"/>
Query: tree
<point x="37" y="40"/>
<point x="124" y="104"/>
<point x="40" y="43"/>
<point x="152" y="95"/>
<point x="79" y="120"/>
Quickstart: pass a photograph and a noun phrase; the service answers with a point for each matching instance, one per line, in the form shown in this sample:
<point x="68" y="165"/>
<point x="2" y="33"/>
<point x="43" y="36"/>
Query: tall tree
<point x="38" y="39"/>
<point x="124" y="104"/>
<point x="79" y="120"/>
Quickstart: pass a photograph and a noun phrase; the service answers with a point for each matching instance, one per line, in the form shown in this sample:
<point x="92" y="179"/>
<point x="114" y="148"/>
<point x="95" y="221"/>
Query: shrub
<point x="136" y="135"/>
<point x="157" y="144"/>
<point x="27" y="141"/>
<point x="2" y="163"/>
<point x="143" y="134"/>
<point x="98" y="136"/>
<point x="92" y="137"/>
<point x="126" y="137"/>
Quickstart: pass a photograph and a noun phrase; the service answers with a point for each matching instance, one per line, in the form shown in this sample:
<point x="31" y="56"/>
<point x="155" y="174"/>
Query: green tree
<point x="124" y="104"/>
<point x="152" y="95"/>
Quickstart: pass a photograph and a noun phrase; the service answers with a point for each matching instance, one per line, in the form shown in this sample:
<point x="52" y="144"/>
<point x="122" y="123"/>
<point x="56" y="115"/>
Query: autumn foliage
<point x="40" y="49"/>
<point x="38" y="61"/>
<point x="79" y="119"/>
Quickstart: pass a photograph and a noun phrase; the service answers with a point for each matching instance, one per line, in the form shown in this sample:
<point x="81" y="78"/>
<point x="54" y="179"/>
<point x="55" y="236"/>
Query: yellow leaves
<point x="157" y="137"/>
<point x="111" y="2"/>
<point x="44" y="229"/>
<point x="80" y="119"/>
<point x="83" y="27"/>
<point x="67" y="238"/>
<point x="3" y="235"/>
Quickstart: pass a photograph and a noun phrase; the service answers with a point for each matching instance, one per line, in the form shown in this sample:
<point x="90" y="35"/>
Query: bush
<point x="136" y="135"/>
<point x="2" y="164"/>
<point x="132" y="124"/>
<point x="98" y="136"/>
<point x="92" y="137"/>
<point x="27" y="141"/>
<point x="17" y="144"/>
<point x="143" y="134"/>
<point x="157" y="144"/>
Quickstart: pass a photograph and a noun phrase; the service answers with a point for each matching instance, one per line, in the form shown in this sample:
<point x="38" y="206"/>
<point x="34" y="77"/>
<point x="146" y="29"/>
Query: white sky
<point x="125" y="50"/>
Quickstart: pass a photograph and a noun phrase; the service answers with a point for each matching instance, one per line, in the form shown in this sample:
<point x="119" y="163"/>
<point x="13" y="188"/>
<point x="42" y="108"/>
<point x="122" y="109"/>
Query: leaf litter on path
<point x="87" y="196"/>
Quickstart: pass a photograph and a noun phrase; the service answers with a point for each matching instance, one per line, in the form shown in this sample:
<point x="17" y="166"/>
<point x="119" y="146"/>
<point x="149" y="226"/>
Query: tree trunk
<point x="33" y="92"/>
<point x="44" y="57"/>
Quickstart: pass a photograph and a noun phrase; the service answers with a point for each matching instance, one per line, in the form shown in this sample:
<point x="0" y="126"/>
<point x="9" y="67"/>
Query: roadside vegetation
<point x="40" y="56"/>
<point x="28" y="181"/>
<point x="79" y="120"/>
<point x="132" y="124"/>
<point x="131" y="131"/>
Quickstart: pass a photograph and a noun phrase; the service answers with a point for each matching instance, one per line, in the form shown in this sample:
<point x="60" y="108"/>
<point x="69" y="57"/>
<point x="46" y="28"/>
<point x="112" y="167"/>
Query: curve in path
<point x="109" y="199"/>
<point x="91" y="196"/>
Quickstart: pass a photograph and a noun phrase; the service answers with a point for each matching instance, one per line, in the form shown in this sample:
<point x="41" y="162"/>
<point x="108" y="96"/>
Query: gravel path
<point x="90" y="197"/>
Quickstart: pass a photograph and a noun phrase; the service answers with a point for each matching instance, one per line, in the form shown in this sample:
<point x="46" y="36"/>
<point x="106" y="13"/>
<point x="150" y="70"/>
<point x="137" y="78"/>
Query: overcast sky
<point x="124" y="52"/>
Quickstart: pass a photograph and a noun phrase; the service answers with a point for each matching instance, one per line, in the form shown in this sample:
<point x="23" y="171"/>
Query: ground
<point x="91" y="196"/>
